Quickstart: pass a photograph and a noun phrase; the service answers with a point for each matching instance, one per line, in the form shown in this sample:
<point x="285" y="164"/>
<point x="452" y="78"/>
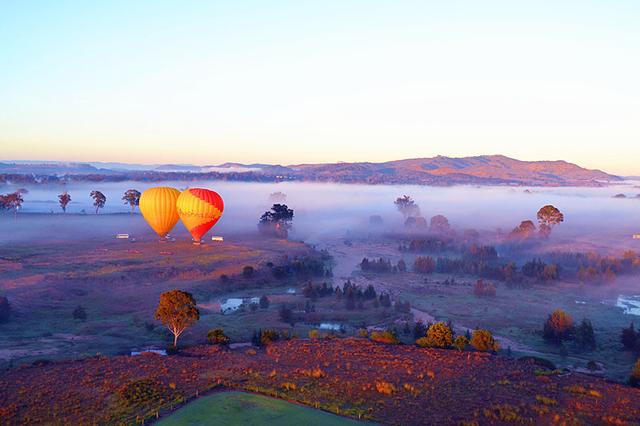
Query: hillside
<point x="480" y="170"/>
<point x="403" y="385"/>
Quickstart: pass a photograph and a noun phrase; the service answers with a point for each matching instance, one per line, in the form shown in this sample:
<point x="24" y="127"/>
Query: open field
<point x="390" y="384"/>
<point x="240" y="408"/>
<point x="515" y="315"/>
<point x="118" y="284"/>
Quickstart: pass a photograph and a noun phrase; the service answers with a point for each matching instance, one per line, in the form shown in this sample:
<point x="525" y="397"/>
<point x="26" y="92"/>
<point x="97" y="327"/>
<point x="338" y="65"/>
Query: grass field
<point x="239" y="408"/>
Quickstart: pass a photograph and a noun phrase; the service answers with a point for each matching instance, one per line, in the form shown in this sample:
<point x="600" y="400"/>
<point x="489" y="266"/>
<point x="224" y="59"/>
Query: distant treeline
<point x="483" y="262"/>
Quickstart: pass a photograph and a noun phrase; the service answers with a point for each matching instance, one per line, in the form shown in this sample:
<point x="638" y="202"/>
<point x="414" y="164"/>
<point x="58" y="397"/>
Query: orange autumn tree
<point x="177" y="311"/>
<point x="558" y="326"/>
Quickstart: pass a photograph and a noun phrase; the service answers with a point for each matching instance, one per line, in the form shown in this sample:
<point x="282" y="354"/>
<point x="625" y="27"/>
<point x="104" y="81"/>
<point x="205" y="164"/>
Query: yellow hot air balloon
<point x="158" y="207"/>
<point x="199" y="210"/>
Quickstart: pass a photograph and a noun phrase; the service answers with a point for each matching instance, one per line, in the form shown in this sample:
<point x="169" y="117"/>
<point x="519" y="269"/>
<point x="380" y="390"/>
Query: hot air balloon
<point x="199" y="209"/>
<point x="158" y="207"/>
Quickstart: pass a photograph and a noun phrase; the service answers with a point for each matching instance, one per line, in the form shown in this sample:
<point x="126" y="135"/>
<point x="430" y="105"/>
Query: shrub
<point x="482" y="340"/>
<point x="143" y="392"/>
<point x="385" y="387"/>
<point x="216" y="336"/>
<point x="5" y="309"/>
<point x="559" y="326"/>
<point x="79" y="313"/>
<point x="439" y="335"/>
<point x="268" y="336"/>
<point x="362" y="332"/>
<point x="460" y="342"/>
<point x="313" y="334"/>
<point x="385" y="336"/>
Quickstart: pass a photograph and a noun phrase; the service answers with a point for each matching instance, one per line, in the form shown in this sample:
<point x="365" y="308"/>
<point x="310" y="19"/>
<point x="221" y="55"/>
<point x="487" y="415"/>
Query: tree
<point x="12" y="202"/>
<point x="277" y="221"/>
<point x="559" y="326"/>
<point x="177" y="311"/>
<point x="584" y="337"/>
<point x="131" y="197"/>
<point x="216" y="336"/>
<point x="99" y="199"/>
<point x="64" y="199"/>
<point x="482" y="340"/>
<point x="407" y="206"/>
<point x="525" y="230"/>
<point x="439" y="335"/>
<point x="629" y="337"/>
<point x="5" y="309"/>
<point x="440" y="224"/>
<point x="548" y="217"/>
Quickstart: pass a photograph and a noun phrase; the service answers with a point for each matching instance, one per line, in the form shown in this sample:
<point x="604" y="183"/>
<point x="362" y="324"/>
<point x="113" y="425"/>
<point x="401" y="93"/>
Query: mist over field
<point x="324" y="209"/>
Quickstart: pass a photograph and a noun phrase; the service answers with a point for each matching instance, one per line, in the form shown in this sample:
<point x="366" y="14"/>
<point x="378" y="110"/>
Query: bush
<point x="79" y="313"/>
<point x="216" y="336"/>
<point x="143" y="392"/>
<point x="439" y="335"/>
<point x="5" y="309"/>
<point x="385" y="336"/>
<point x="482" y="340"/>
<point x="460" y="342"/>
<point x="385" y="387"/>
<point x="313" y="334"/>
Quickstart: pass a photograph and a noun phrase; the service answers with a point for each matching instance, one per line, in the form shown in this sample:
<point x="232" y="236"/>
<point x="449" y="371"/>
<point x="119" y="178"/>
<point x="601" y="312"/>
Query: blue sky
<point x="291" y="82"/>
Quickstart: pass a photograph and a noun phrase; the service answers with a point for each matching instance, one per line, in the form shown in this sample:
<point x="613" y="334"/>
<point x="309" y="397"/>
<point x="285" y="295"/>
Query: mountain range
<point x="440" y="170"/>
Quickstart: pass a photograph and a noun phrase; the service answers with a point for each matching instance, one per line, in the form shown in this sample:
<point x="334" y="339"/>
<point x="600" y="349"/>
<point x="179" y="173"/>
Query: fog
<point x="328" y="210"/>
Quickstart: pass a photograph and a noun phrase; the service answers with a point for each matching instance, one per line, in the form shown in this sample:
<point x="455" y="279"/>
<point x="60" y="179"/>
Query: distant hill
<point x="480" y="170"/>
<point x="486" y="169"/>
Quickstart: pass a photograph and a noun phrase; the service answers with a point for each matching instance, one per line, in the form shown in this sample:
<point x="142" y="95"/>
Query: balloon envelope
<point x="199" y="209"/>
<point x="158" y="207"/>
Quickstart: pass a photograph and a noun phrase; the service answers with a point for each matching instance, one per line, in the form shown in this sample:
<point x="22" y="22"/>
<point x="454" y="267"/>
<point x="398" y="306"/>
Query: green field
<point x="239" y="408"/>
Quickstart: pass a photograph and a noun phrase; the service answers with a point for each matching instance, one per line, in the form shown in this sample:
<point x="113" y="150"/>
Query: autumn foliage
<point x="558" y="326"/>
<point x="177" y="311"/>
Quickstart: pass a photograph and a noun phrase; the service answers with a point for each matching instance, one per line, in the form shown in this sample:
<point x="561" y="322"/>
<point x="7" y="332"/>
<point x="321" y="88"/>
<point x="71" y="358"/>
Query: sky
<point x="292" y="82"/>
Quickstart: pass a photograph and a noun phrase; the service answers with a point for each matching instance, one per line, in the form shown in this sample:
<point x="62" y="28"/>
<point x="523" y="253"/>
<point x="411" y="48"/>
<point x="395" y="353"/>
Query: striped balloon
<point x="158" y="207"/>
<point x="199" y="209"/>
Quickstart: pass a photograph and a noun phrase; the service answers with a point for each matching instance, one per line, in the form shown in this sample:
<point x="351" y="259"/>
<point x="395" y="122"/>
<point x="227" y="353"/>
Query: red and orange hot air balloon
<point x="158" y="207"/>
<point x="199" y="209"/>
